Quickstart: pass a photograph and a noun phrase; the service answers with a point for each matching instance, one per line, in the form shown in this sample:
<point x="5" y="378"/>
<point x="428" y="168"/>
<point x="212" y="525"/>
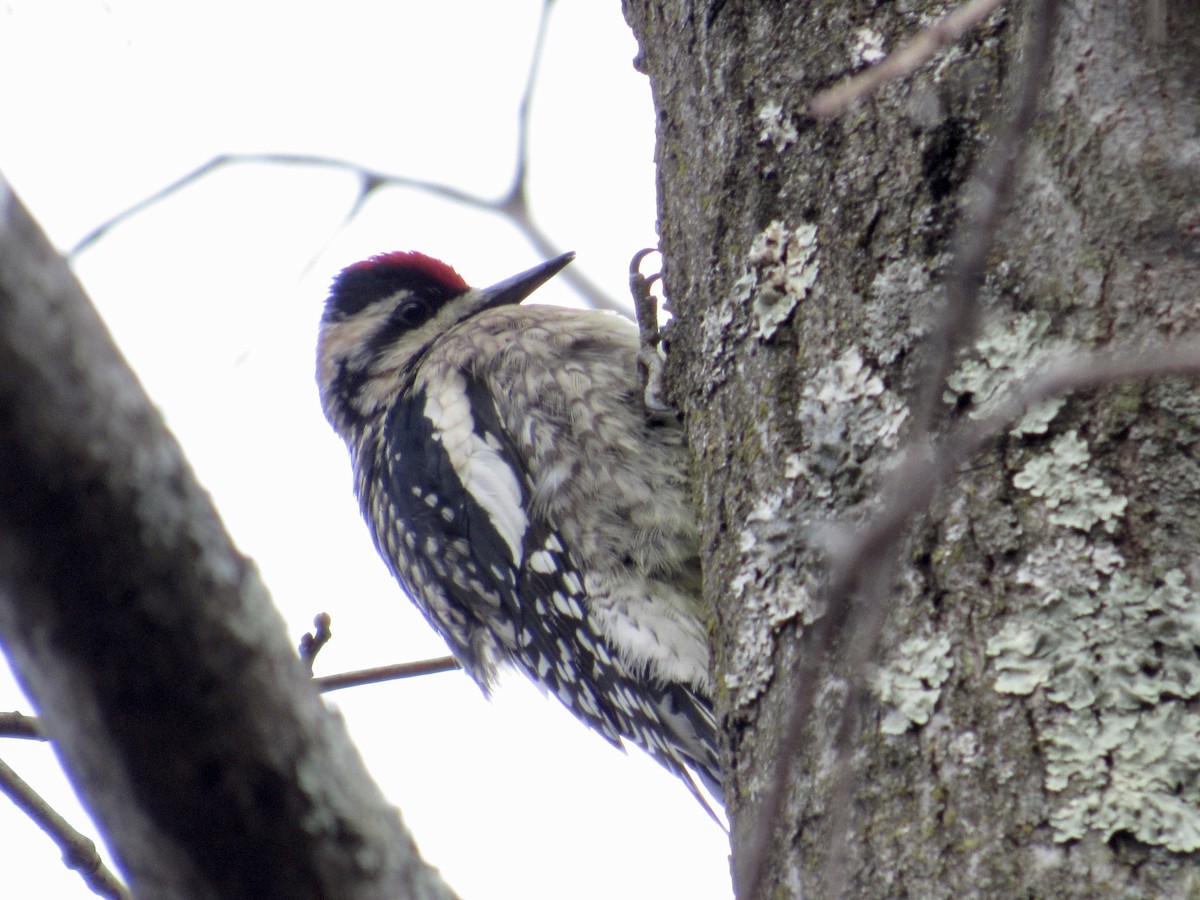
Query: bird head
<point x="385" y="312"/>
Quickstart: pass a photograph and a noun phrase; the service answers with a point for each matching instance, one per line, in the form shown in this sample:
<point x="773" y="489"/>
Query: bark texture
<point x="1032" y="728"/>
<point x="160" y="669"/>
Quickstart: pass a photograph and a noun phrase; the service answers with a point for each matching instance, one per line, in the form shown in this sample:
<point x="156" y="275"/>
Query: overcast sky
<point x="214" y="296"/>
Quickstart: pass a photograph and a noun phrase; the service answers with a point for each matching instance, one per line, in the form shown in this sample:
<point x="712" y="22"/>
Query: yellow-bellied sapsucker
<point x="516" y="487"/>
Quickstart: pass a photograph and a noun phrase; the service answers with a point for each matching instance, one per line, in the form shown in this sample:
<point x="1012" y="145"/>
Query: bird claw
<point x="651" y="366"/>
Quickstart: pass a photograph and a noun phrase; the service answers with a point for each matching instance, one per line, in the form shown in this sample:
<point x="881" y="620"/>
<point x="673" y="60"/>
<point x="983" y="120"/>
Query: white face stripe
<point x="348" y="342"/>
<point x="344" y="339"/>
<point x="483" y="470"/>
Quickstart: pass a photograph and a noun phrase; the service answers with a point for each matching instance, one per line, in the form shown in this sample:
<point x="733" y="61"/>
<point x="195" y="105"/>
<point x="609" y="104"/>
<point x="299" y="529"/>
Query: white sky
<point x="210" y="296"/>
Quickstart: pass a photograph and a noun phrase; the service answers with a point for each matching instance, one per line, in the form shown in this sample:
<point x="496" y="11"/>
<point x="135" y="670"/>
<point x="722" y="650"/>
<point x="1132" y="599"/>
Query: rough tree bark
<point x="158" y="665"/>
<point x="1032" y="729"/>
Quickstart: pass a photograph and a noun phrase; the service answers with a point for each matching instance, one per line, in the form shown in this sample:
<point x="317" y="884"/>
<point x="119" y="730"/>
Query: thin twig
<point x="367" y="176"/>
<point x="386" y="673"/>
<point x="15" y="724"/>
<point x="866" y="626"/>
<point x="516" y="201"/>
<point x="907" y="59"/>
<point x="988" y="194"/>
<point x="78" y="851"/>
<point x="372" y="181"/>
<point x="512" y="204"/>
<point x="19" y="725"/>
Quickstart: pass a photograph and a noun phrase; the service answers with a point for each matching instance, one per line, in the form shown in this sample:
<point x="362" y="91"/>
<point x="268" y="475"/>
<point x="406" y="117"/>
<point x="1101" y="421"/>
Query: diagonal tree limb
<point x="148" y="643"/>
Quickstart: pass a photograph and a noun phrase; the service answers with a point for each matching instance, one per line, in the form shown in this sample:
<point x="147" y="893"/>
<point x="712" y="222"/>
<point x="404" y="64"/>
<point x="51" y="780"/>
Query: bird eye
<point x="413" y="313"/>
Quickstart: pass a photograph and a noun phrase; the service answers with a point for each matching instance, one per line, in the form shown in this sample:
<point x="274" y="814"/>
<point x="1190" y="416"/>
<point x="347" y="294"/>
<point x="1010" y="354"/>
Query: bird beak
<point x="515" y="289"/>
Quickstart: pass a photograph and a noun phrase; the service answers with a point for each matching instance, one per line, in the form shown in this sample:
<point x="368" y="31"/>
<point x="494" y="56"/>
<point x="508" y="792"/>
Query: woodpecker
<point x="525" y="499"/>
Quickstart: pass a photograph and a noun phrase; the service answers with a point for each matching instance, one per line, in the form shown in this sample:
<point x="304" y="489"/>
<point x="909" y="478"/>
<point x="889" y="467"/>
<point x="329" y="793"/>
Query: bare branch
<point x="513" y="205"/>
<point x="78" y="850"/>
<point x="19" y="725"/>
<point x="369" y="179"/>
<point x="988" y="193"/>
<point x="516" y="202"/>
<point x="386" y="673"/>
<point x="370" y="182"/>
<point x="904" y="61"/>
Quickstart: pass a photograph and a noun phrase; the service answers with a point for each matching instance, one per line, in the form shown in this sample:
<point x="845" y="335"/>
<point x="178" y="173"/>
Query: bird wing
<point x="488" y="568"/>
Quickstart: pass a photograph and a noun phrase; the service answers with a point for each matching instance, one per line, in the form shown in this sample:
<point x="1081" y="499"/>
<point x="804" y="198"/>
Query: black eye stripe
<point x="399" y="323"/>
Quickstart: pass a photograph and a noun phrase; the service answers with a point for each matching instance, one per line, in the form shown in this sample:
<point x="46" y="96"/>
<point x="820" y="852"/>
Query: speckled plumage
<point x="515" y="486"/>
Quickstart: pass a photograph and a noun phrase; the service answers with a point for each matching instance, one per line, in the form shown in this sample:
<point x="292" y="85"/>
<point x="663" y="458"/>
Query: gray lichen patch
<point x="901" y="302"/>
<point x="868" y="47"/>
<point x="777" y="128"/>
<point x="1116" y="659"/>
<point x="1007" y="351"/>
<point x="850" y="422"/>
<point x="848" y="416"/>
<point x="1074" y="497"/>
<point x="781" y="269"/>
<point x="910" y="684"/>
<point x="767" y="602"/>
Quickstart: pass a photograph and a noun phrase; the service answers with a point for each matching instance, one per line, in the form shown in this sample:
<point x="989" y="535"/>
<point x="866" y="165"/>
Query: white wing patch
<point x="479" y="465"/>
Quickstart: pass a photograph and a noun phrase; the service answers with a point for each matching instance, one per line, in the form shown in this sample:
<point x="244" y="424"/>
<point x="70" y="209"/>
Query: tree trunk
<point x="1031" y="727"/>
